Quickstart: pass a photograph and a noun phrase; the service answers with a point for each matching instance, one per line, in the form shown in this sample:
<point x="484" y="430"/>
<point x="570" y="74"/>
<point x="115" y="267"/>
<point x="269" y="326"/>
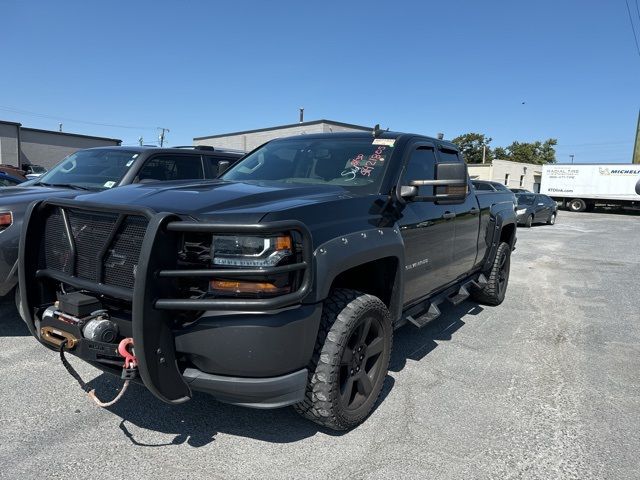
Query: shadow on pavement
<point x="197" y="422"/>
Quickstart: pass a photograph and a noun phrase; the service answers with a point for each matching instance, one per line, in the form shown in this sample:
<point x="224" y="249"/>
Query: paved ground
<point x="545" y="386"/>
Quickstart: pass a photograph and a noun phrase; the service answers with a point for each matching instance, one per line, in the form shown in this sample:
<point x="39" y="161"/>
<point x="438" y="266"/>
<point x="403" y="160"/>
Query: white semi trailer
<point x="582" y="187"/>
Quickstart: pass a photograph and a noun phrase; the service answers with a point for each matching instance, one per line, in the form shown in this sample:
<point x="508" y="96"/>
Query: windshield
<point x="526" y="199"/>
<point x="90" y="169"/>
<point x="357" y="164"/>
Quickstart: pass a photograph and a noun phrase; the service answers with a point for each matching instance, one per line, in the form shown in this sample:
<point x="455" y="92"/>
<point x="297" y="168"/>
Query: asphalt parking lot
<point x="545" y="386"/>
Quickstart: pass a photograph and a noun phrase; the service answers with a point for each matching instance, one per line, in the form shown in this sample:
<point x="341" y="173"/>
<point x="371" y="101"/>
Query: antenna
<point x="301" y="114"/>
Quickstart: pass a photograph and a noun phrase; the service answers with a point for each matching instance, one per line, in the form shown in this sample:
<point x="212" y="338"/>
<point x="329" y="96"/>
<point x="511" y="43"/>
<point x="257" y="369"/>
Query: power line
<point x="633" y="29"/>
<point x="42" y="115"/>
<point x="637" y="10"/>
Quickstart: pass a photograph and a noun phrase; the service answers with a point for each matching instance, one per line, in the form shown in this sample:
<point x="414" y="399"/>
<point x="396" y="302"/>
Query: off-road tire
<point x="343" y="312"/>
<point x="494" y="291"/>
<point x="18" y="302"/>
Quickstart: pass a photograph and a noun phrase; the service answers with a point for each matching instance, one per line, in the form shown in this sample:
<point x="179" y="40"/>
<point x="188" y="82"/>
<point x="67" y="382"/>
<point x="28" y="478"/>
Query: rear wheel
<point x="552" y="219"/>
<point x="577" y="205"/>
<point x="494" y="291"/>
<point x="350" y="361"/>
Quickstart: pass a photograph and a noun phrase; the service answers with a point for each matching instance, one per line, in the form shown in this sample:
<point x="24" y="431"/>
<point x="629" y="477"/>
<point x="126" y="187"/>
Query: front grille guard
<point x="153" y="297"/>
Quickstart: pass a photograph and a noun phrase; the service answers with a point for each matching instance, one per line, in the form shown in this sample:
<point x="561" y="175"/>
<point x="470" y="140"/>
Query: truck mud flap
<point x="152" y="329"/>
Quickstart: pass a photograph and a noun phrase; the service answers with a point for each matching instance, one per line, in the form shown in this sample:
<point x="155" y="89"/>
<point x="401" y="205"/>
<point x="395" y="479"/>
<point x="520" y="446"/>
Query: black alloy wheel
<point x="504" y="264"/>
<point x="350" y="360"/>
<point x="362" y="363"/>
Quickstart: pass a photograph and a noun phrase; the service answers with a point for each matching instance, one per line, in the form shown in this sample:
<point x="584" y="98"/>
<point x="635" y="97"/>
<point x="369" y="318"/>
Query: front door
<point x="427" y="230"/>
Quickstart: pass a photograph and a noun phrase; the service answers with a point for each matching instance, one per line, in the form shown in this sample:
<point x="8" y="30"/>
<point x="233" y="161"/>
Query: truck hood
<point x="26" y="195"/>
<point x="214" y="198"/>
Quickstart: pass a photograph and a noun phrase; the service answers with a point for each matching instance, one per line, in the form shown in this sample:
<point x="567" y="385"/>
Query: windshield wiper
<point x="64" y="185"/>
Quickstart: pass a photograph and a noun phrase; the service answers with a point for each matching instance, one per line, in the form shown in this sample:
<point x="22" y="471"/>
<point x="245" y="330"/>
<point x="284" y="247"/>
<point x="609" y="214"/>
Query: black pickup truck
<point x="281" y="282"/>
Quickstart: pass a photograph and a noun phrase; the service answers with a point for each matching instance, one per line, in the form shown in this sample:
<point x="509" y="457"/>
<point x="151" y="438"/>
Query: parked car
<point x="536" y="208"/>
<point x="93" y="170"/>
<point x="7" y="180"/>
<point x="520" y="190"/>
<point x="489" y="186"/>
<point x="34" y="171"/>
<point x="12" y="171"/>
<point x="279" y="284"/>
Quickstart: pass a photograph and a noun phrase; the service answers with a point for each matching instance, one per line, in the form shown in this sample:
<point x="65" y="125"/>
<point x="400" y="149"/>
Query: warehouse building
<point x="21" y="146"/>
<point x="511" y="174"/>
<point x="250" y="139"/>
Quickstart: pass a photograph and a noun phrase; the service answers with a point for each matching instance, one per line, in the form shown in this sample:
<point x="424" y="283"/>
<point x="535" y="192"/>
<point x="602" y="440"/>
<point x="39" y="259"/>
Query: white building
<point x="249" y="139"/>
<point x="511" y="174"/>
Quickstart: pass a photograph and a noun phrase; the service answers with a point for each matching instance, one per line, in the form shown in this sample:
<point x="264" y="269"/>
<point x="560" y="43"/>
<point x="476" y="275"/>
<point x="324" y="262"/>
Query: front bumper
<point x="247" y="352"/>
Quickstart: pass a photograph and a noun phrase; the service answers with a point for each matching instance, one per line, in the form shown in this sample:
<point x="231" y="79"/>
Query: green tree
<point x="535" y="152"/>
<point x="472" y="144"/>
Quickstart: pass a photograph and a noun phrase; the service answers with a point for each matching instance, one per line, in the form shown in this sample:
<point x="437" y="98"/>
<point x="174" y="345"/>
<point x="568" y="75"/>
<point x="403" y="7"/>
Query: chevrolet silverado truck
<point x="93" y="170"/>
<point x="280" y="283"/>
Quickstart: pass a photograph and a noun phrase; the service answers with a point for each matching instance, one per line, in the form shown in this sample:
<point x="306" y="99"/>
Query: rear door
<point x="467" y="223"/>
<point x="427" y="229"/>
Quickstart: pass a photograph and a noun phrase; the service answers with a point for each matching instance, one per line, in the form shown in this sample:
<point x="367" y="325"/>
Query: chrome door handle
<point x="474" y="211"/>
<point x="449" y="215"/>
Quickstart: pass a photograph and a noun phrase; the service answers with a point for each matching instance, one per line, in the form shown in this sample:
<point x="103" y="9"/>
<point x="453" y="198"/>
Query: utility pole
<point x="572" y="155"/>
<point x="161" y="137"/>
<point x="484" y="153"/>
<point x="636" y="147"/>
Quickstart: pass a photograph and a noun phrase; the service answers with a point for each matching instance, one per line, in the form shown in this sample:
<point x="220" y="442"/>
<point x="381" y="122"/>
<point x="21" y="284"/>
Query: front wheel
<point x="552" y="219"/>
<point x="18" y="302"/>
<point x="529" y="221"/>
<point x="350" y="361"/>
<point x="496" y="287"/>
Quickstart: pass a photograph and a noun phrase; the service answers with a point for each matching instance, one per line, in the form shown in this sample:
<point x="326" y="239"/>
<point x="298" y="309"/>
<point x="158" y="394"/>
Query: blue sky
<point x="203" y="68"/>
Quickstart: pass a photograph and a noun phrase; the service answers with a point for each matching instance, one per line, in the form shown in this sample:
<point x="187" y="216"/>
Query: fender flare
<point x="497" y="224"/>
<point x="354" y="249"/>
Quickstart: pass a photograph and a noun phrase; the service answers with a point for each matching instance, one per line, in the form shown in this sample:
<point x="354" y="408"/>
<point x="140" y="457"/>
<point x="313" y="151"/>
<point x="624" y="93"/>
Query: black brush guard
<point x="153" y="297"/>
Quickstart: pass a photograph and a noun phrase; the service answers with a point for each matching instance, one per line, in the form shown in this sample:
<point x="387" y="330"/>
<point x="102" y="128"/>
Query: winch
<point x="78" y="322"/>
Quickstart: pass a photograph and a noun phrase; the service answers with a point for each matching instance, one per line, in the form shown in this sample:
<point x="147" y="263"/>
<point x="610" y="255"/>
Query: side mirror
<point x="222" y="166"/>
<point x="451" y="182"/>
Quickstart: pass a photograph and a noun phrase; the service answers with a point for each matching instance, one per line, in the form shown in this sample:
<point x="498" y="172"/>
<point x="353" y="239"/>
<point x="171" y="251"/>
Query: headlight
<point x="252" y="252"/>
<point x="520" y="211"/>
<point x="6" y="219"/>
<point x="237" y="251"/>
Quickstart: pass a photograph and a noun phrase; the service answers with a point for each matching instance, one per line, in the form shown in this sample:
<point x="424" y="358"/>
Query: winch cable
<point x="90" y="391"/>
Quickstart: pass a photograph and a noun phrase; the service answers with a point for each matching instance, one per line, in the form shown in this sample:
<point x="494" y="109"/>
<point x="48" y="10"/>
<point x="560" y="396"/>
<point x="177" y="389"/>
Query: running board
<point x="428" y="316"/>
<point x="480" y="282"/>
<point x="459" y="297"/>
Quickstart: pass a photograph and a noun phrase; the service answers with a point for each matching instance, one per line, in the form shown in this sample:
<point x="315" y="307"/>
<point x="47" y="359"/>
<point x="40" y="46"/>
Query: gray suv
<point x="94" y="170"/>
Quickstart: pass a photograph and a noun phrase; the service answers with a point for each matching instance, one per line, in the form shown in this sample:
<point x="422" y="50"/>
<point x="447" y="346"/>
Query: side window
<point x="421" y="166"/>
<point x="447" y="156"/>
<point x="171" y="167"/>
<point x="482" y="186"/>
